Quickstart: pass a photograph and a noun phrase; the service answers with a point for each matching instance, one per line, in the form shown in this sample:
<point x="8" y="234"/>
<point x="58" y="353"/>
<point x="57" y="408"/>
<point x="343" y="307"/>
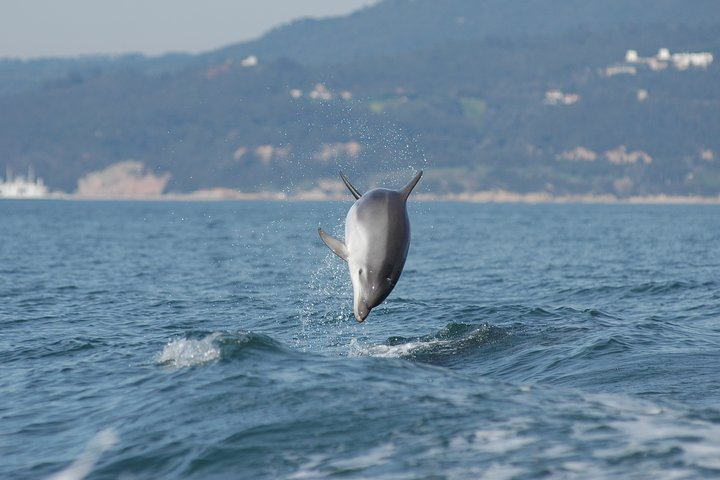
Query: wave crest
<point x="453" y="340"/>
<point x="186" y="352"/>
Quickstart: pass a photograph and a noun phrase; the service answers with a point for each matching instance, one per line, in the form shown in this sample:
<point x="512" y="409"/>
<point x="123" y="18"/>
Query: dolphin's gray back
<point x="377" y="239"/>
<point x="382" y="216"/>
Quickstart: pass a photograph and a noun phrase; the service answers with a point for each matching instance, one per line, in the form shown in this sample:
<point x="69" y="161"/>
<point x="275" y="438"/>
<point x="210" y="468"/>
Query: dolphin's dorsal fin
<point x="352" y="189"/>
<point x="334" y="244"/>
<point x="409" y="187"/>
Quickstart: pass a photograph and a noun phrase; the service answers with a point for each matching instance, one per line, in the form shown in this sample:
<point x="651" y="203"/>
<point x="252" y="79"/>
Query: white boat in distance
<point x="22" y="187"/>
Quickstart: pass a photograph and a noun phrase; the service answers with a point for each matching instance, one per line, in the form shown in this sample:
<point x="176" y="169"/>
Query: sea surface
<point x="146" y="340"/>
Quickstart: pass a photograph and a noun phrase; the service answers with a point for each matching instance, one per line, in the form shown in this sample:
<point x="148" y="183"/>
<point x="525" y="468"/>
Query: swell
<point x="204" y="347"/>
<point x="597" y="351"/>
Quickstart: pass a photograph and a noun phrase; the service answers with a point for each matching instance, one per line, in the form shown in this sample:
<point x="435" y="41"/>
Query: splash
<point x="326" y="312"/>
<point x="387" y="157"/>
<point x="186" y="352"/>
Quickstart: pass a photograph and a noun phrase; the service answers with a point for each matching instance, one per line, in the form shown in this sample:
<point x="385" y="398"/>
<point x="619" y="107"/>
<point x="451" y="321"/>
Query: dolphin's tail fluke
<point x="409" y="187"/>
<point x="352" y="189"/>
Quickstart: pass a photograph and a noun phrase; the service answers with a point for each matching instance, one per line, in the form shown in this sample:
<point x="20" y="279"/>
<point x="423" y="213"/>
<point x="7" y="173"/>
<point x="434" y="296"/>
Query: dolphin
<point x="377" y="238"/>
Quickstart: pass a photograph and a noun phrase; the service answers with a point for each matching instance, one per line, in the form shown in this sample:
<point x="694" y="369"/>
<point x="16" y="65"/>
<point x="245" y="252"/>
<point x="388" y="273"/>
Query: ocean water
<point x="216" y="340"/>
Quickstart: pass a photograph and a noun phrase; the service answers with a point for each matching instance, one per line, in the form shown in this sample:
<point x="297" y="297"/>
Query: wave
<point x="201" y="348"/>
<point x="187" y="352"/>
<point x="455" y="339"/>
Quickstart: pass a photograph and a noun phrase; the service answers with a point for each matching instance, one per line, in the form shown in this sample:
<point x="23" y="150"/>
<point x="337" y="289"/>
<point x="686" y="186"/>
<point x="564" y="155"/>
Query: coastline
<point x="490" y="196"/>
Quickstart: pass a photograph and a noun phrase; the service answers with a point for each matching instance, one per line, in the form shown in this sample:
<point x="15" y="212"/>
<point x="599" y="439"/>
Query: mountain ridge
<point x="397" y="26"/>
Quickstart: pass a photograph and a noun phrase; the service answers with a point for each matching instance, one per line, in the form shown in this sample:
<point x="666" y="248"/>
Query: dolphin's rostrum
<point x="377" y="238"/>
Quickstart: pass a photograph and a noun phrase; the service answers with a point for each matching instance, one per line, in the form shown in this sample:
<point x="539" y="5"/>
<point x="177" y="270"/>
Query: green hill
<point x="483" y="95"/>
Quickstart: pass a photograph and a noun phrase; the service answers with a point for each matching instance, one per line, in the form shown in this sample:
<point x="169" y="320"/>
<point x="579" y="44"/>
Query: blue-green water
<point x="216" y="340"/>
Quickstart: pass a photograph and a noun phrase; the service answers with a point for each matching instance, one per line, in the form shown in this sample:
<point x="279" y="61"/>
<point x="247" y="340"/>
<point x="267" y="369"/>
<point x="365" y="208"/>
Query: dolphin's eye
<point x="360" y="271"/>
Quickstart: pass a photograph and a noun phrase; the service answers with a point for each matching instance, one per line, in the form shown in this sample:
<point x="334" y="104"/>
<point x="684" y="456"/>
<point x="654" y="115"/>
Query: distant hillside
<point x="396" y="26"/>
<point x="483" y="95"/>
<point x="19" y="76"/>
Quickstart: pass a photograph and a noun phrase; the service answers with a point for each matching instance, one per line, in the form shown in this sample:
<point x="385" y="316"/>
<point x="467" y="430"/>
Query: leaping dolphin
<point x="377" y="238"/>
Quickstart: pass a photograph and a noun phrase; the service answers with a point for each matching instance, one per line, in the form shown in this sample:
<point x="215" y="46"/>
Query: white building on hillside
<point x="663" y="58"/>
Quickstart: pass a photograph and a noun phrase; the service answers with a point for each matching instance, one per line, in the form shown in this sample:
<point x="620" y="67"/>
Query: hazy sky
<point x="41" y="28"/>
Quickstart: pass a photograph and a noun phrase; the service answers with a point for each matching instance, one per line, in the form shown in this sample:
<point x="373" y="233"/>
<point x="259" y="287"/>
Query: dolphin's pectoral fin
<point x="352" y="189"/>
<point x="409" y="187"/>
<point x="334" y="244"/>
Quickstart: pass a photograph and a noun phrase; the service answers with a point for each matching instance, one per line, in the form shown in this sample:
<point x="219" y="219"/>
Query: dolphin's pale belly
<point x="377" y="238"/>
<point x="377" y="235"/>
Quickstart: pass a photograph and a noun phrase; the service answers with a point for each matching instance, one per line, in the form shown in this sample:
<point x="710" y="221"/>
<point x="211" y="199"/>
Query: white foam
<point x="500" y="441"/>
<point x="390" y="351"/>
<point x="309" y="469"/>
<point x="372" y="458"/>
<point x="698" y="440"/>
<point x="646" y="427"/>
<point x="185" y="352"/>
<point x="496" y="440"/>
<point x="320" y="466"/>
<point x="84" y="464"/>
<point x="497" y="471"/>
